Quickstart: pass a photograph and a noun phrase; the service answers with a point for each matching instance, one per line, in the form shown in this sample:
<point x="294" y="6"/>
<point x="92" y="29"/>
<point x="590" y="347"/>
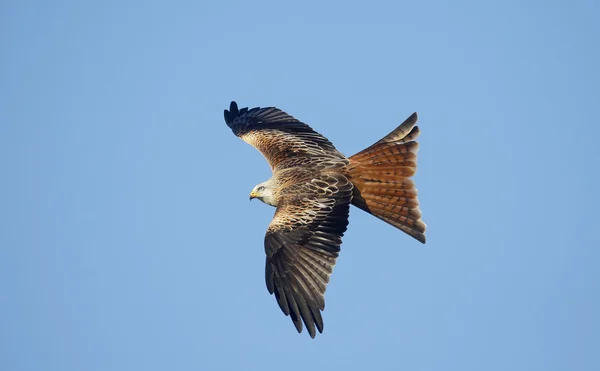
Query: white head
<point x="264" y="192"/>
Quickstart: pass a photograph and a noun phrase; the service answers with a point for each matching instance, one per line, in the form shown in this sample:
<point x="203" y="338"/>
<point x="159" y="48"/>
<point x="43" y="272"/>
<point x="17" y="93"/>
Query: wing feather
<point x="281" y="138"/>
<point x="302" y="244"/>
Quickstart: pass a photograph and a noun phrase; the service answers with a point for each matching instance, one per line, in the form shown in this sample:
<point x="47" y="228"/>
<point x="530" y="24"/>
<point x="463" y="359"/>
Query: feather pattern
<point x="314" y="185"/>
<point x="302" y="244"/>
<point x="278" y="136"/>
<point x="380" y="174"/>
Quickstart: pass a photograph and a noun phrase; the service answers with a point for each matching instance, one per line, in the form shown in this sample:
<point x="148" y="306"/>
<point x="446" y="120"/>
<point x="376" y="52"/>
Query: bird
<point x="312" y="187"/>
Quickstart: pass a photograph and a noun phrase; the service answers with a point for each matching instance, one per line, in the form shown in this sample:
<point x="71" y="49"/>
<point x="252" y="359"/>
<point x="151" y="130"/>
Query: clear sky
<point x="127" y="240"/>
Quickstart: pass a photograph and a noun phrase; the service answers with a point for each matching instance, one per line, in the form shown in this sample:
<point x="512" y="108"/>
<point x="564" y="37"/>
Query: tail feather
<point x="380" y="174"/>
<point x="406" y="132"/>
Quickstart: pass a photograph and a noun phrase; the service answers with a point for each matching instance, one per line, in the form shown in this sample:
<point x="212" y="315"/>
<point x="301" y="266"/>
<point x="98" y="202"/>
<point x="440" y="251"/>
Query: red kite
<point x="312" y="187"/>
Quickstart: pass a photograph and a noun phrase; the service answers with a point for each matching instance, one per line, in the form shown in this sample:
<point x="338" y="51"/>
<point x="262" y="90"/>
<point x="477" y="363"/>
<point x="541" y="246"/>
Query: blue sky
<point x="128" y="241"/>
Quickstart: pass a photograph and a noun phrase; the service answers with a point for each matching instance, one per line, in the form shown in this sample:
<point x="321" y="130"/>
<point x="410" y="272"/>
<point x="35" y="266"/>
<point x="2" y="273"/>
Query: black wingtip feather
<point x="233" y="108"/>
<point x="233" y="112"/>
<point x="226" y="116"/>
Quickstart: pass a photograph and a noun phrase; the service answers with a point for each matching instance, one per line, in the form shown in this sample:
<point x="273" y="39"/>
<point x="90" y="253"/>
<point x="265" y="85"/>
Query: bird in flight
<point x="312" y="187"/>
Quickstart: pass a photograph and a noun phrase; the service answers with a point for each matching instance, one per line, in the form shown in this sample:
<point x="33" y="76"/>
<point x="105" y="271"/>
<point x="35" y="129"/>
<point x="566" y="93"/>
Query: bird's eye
<point x="261" y="188"/>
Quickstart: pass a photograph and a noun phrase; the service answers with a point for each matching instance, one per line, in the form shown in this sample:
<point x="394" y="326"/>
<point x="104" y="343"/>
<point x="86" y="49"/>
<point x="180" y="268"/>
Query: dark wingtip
<point x="232" y="113"/>
<point x="233" y="108"/>
<point x="297" y="322"/>
<point x="226" y="116"/>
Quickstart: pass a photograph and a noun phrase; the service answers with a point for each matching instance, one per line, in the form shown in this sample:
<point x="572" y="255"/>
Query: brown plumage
<point x="380" y="174"/>
<point x="312" y="187"/>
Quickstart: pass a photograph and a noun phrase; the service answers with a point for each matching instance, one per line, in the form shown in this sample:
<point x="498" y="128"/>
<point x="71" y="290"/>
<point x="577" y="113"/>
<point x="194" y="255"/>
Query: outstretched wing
<point x="277" y="135"/>
<point x="302" y="244"/>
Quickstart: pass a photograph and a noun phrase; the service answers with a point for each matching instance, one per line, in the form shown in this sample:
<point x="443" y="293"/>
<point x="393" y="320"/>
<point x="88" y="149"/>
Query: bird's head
<point x="264" y="192"/>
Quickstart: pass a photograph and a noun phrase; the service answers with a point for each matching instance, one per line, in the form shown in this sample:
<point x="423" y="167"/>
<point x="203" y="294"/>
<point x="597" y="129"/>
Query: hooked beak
<point x="252" y="195"/>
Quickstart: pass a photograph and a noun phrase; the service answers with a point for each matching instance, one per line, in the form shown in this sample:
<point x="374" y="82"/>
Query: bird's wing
<point x="277" y="135"/>
<point x="302" y="244"/>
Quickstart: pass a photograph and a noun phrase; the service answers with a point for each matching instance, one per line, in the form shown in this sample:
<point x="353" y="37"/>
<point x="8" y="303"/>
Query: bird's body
<point x="277" y="185"/>
<point x="312" y="187"/>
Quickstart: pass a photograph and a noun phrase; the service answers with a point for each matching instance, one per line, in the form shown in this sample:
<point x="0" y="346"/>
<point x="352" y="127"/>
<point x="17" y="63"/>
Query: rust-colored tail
<point x="381" y="177"/>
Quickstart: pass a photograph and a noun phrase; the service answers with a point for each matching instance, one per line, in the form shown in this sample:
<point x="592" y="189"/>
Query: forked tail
<point x="381" y="177"/>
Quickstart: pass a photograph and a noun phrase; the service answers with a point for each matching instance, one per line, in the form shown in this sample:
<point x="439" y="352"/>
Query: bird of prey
<point x="312" y="187"/>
